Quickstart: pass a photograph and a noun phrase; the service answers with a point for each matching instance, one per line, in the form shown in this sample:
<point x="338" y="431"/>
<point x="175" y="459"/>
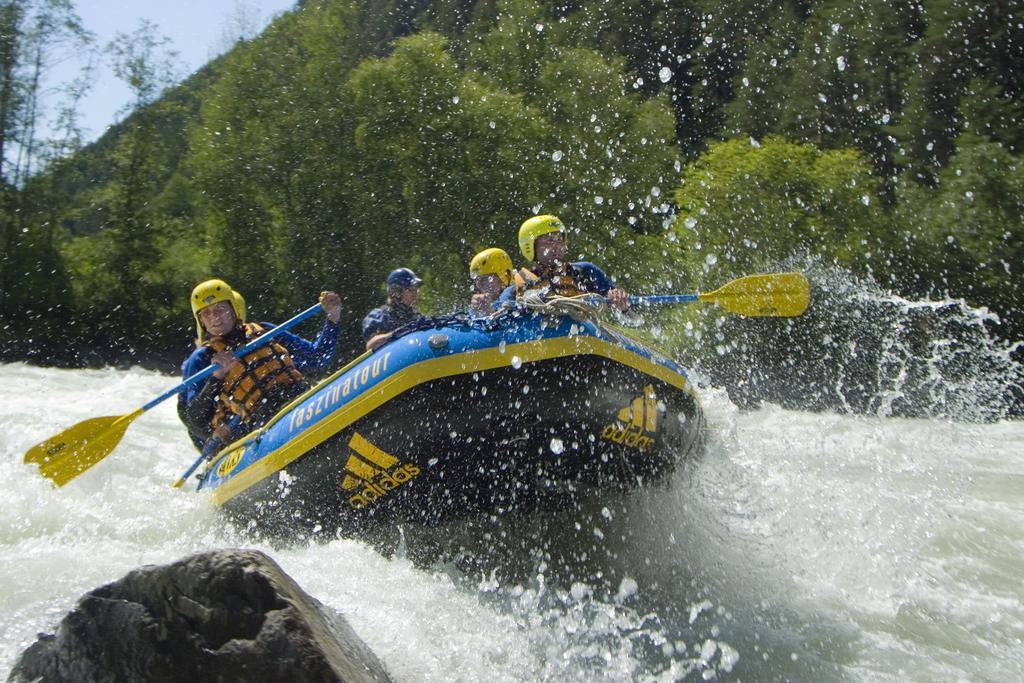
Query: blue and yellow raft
<point x="457" y="417"/>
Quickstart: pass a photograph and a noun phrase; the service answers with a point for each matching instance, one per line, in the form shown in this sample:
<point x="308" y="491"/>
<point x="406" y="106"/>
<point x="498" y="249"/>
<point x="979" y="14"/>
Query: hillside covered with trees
<point x="684" y="143"/>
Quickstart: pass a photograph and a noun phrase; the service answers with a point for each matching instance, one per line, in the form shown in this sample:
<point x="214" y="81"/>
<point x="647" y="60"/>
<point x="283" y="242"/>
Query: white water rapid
<point x="802" y="546"/>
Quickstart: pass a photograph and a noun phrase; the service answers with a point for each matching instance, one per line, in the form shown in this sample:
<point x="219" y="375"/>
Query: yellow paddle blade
<point x="782" y="295"/>
<point x="64" y="456"/>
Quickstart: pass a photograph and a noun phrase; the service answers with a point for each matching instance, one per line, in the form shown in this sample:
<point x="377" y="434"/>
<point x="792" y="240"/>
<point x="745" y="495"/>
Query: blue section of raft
<point x="424" y="342"/>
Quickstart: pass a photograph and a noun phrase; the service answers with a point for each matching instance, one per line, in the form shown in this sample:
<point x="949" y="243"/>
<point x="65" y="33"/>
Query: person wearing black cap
<point x="400" y="310"/>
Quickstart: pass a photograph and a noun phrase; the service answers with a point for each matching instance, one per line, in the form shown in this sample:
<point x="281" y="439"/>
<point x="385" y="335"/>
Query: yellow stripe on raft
<point x="429" y="370"/>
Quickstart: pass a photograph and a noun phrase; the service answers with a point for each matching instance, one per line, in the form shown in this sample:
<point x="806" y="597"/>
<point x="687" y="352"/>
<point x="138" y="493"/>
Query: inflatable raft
<point x="456" y="417"/>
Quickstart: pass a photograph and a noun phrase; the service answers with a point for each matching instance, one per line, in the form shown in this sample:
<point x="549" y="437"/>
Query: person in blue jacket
<point x="401" y="308"/>
<point x="542" y="242"/>
<point x="243" y="393"/>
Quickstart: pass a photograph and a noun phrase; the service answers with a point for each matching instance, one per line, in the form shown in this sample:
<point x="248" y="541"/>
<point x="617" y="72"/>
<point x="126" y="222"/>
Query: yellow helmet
<point x="238" y="303"/>
<point x="533" y="228"/>
<point x="492" y="261"/>
<point x="212" y="292"/>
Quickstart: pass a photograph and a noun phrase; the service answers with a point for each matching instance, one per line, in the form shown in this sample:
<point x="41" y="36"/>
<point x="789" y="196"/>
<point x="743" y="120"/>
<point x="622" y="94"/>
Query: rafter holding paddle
<point x="776" y="295"/>
<point x="64" y="456"/>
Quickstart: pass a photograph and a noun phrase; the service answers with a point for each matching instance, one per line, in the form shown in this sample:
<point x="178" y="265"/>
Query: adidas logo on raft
<point x="373" y="475"/>
<point x="640" y="416"/>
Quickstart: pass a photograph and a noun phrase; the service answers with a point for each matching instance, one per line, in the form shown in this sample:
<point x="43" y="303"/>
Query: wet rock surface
<point x="227" y="615"/>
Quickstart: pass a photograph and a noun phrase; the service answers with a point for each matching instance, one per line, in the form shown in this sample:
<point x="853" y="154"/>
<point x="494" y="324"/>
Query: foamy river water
<point x="802" y="546"/>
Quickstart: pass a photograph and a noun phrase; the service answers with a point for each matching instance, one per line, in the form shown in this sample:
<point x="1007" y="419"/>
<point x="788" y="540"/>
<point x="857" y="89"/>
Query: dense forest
<point x="683" y="142"/>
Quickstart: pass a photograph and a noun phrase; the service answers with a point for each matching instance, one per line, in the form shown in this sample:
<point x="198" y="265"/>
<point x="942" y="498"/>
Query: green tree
<point x="468" y="160"/>
<point x="272" y="153"/>
<point x="511" y="46"/>
<point x="616" y="157"/>
<point x="760" y="94"/>
<point x="967" y="49"/>
<point x="114" y="269"/>
<point x="446" y="162"/>
<point x="834" y="78"/>
<point x="290" y="164"/>
<point x="749" y="207"/>
<point x="966" y="236"/>
<point x="34" y="36"/>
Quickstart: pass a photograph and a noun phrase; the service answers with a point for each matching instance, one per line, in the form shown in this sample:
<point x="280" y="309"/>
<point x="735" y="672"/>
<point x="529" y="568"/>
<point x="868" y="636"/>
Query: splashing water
<point x="803" y="546"/>
<point x="861" y="350"/>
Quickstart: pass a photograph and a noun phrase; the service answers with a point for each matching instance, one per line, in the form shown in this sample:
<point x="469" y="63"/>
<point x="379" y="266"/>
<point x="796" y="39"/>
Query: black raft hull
<point x="536" y="425"/>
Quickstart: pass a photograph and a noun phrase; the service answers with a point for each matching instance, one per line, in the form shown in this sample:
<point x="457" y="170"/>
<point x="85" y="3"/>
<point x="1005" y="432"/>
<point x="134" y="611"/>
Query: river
<point x="802" y="546"/>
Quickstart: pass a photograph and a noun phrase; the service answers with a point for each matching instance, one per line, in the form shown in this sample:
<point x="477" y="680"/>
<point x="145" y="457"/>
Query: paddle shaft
<point x="66" y="455"/>
<point x="203" y="374"/>
<point x="209" y="450"/>
<point x="198" y="461"/>
<point x="662" y="299"/>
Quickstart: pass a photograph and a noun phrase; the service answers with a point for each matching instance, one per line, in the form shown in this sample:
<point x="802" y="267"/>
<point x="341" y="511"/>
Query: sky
<point x="198" y="31"/>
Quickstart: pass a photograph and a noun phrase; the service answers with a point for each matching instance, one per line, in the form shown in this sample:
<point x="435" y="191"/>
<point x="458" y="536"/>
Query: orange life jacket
<point x="559" y="285"/>
<point x="268" y="368"/>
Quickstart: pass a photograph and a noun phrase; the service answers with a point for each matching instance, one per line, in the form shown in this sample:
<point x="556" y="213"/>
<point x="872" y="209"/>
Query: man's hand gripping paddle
<point x="64" y="456"/>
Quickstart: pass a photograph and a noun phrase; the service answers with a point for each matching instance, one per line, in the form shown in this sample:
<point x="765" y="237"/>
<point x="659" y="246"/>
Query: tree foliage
<point x="706" y="139"/>
<point x="34" y="36"/>
<point x="749" y="207"/>
<point x="966" y="236"/>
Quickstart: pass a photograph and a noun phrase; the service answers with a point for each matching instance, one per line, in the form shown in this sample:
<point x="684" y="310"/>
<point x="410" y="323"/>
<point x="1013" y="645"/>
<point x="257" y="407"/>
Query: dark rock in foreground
<point x="230" y="615"/>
